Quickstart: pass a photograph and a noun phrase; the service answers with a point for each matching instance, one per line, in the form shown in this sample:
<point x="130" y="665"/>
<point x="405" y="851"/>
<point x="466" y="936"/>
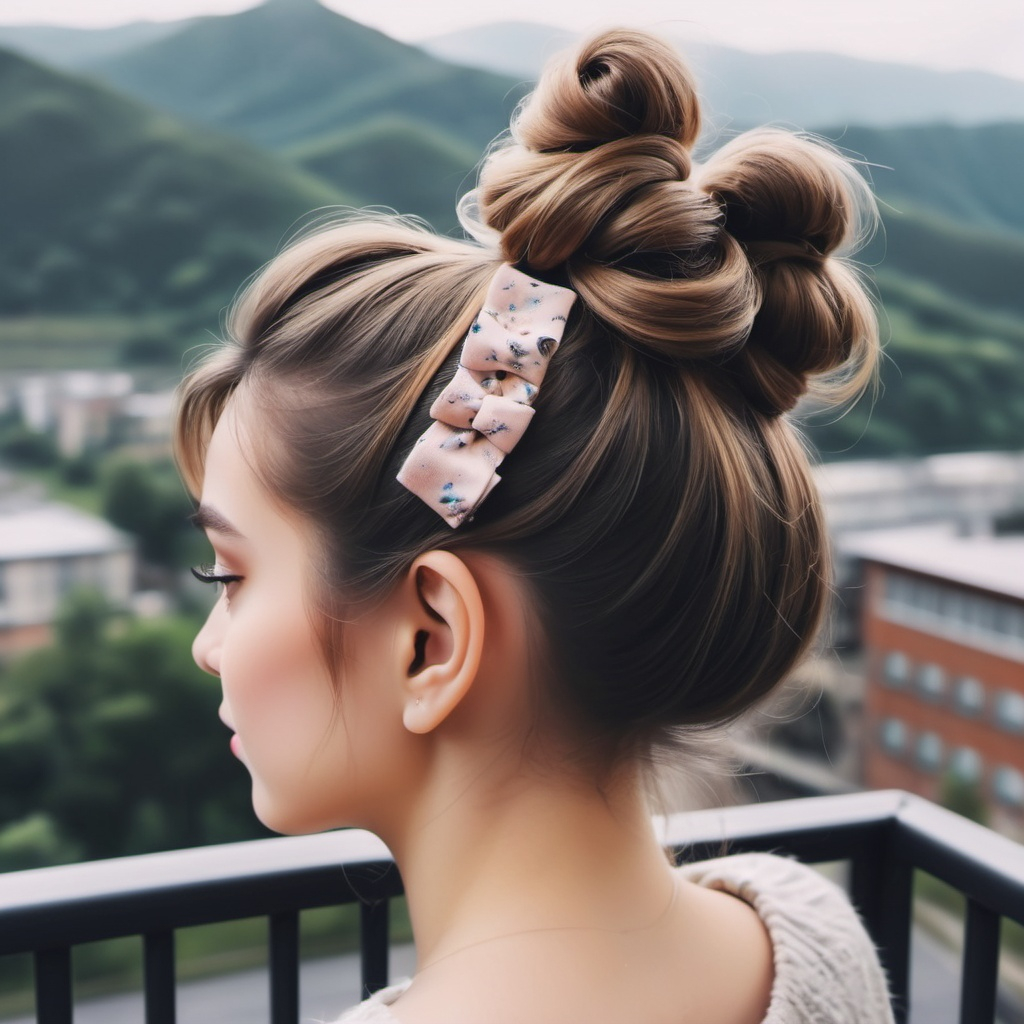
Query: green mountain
<point x="948" y="262"/>
<point x="739" y="87"/>
<point x="952" y="206"/>
<point x="127" y="230"/>
<point x="395" y="162"/>
<point x="952" y="379"/>
<point x="985" y="267"/>
<point x="968" y="174"/>
<point x="111" y="208"/>
<point x="291" y="71"/>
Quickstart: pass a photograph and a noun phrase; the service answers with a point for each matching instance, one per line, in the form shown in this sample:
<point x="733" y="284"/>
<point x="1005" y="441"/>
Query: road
<point x="330" y="985"/>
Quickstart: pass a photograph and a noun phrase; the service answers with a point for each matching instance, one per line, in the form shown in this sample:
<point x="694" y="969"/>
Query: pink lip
<point x="236" y="745"/>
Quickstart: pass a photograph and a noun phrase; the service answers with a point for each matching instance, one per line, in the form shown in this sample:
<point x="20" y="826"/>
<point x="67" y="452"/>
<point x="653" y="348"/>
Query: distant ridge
<point x="290" y="71"/>
<point x="804" y="89"/>
<point x="75" y="47"/>
<point x="127" y="229"/>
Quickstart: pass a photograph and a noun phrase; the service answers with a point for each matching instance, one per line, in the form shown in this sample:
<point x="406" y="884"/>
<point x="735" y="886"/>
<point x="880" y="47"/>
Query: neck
<point x="516" y="852"/>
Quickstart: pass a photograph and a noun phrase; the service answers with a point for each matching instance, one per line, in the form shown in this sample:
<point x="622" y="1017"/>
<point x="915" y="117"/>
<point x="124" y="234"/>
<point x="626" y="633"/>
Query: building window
<point x="897" y="588"/>
<point x="981" y="613"/>
<point x="1008" y="786"/>
<point x="893" y="734"/>
<point x="965" y="764"/>
<point x="1010" y="711"/>
<point x="1018" y="626"/>
<point x="969" y="696"/>
<point x="945" y="610"/>
<point x="896" y="669"/>
<point x="929" y="751"/>
<point x="931" y="682"/>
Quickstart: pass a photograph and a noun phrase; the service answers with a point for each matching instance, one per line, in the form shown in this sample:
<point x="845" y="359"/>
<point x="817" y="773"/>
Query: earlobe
<point x="447" y="642"/>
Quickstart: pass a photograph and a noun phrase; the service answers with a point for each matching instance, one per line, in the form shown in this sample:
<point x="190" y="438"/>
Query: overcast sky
<point x="985" y="34"/>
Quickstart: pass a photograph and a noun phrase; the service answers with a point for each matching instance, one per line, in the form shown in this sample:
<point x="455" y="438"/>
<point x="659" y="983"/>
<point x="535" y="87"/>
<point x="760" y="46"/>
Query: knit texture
<point x="826" y="967"/>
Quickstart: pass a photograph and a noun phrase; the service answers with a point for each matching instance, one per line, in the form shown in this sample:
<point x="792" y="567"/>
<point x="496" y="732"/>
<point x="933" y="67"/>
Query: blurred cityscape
<point x="148" y="171"/>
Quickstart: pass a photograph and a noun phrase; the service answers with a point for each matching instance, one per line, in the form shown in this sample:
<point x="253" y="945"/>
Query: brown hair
<point x="661" y="505"/>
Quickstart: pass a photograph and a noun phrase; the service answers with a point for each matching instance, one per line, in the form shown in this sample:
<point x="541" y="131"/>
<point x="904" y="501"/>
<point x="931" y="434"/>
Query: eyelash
<point x="206" y="574"/>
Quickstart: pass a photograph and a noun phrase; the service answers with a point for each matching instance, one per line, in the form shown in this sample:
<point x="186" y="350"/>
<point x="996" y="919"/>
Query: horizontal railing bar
<point x="164" y="891"/>
<point x="817" y="828"/>
<point x="161" y="892"/>
<point x="983" y="865"/>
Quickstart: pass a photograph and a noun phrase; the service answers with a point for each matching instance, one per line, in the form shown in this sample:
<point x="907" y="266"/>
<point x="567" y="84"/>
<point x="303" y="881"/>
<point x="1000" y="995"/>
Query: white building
<point x="46" y="551"/>
<point x="87" y="409"/>
<point x="966" y="487"/>
<point x="970" y="490"/>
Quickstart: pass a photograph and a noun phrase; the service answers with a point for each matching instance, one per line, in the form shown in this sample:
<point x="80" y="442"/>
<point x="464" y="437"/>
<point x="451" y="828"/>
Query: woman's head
<point x="659" y="512"/>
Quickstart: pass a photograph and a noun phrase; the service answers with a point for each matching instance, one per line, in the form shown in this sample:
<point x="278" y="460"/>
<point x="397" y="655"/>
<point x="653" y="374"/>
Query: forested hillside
<point x="394" y="161"/>
<point x="291" y="70"/>
<point x="116" y="210"/>
<point x="128" y="228"/>
<point x="966" y="174"/>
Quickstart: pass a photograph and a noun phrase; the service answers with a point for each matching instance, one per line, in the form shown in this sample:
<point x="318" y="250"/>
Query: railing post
<point x="53" y="986"/>
<point x="980" y="972"/>
<point x="882" y="889"/>
<point x="158" y="967"/>
<point x="373" y="919"/>
<point x="284" y="968"/>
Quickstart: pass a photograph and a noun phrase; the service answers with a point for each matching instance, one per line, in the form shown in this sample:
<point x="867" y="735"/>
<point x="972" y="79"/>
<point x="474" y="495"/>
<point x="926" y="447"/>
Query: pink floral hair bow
<point x="482" y="413"/>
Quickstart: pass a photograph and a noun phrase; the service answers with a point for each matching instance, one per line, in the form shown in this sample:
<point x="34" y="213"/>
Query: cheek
<point x="277" y="688"/>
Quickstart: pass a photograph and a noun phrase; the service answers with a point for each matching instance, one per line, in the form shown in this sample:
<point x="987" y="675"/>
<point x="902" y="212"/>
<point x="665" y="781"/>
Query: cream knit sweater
<point x="826" y="968"/>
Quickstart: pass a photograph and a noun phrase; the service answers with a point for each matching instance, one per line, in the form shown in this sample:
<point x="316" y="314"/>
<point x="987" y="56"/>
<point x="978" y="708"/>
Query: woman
<point x="480" y="666"/>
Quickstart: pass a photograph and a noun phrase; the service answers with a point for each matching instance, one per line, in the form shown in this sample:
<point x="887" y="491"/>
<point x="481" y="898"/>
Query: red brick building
<point x="943" y="636"/>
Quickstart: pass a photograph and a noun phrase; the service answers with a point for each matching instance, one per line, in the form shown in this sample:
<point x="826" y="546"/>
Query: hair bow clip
<point x="487" y="406"/>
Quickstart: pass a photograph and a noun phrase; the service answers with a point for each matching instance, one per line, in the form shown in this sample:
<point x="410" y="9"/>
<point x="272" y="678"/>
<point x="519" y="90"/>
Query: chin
<point x="289" y="820"/>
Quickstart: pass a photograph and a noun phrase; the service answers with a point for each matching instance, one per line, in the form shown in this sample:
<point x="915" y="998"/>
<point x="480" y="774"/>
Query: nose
<point x="206" y="647"/>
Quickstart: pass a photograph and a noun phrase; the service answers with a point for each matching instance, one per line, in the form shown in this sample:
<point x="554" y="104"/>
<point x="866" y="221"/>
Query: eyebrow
<point x="206" y="517"/>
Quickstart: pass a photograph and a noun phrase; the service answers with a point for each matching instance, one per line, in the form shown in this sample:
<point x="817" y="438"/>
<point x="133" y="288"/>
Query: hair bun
<point x="786" y="195"/>
<point x="793" y="203"/>
<point x="604" y="125"/>
<point x="731" y="264"/>
<point x="618" y="84"/>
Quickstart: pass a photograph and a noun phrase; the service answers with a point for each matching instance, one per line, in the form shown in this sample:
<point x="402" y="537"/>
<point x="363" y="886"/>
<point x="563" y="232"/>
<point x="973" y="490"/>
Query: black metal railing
<point x="884" y="836"/>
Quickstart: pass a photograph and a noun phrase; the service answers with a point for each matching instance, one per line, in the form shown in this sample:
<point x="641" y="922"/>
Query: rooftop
<point x="49" y="530"/>
<point x="960" y="469"/>
<point x="986" y="562"/>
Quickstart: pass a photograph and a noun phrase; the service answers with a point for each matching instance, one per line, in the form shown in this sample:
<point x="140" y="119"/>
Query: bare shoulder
<point x="711" y="962"/>
<point x="826" y="963"/>
<point x="726" y="956"/>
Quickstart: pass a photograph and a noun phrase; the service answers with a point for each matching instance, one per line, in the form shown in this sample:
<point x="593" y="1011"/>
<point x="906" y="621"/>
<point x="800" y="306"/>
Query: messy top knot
<point x="616" y="85"/>
<point x="730" y="263"/>
<point x="660" y="510"/>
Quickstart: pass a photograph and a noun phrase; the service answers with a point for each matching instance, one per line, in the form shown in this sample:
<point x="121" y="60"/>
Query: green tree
<point x="147" y="500"/>
<point x="964" y="798"/>
<point x="23" y="446"/>
<point x="110" y="744"/>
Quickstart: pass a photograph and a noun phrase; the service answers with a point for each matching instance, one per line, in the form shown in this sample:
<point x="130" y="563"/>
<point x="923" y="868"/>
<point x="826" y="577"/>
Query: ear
<point x="445" y="638"/>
